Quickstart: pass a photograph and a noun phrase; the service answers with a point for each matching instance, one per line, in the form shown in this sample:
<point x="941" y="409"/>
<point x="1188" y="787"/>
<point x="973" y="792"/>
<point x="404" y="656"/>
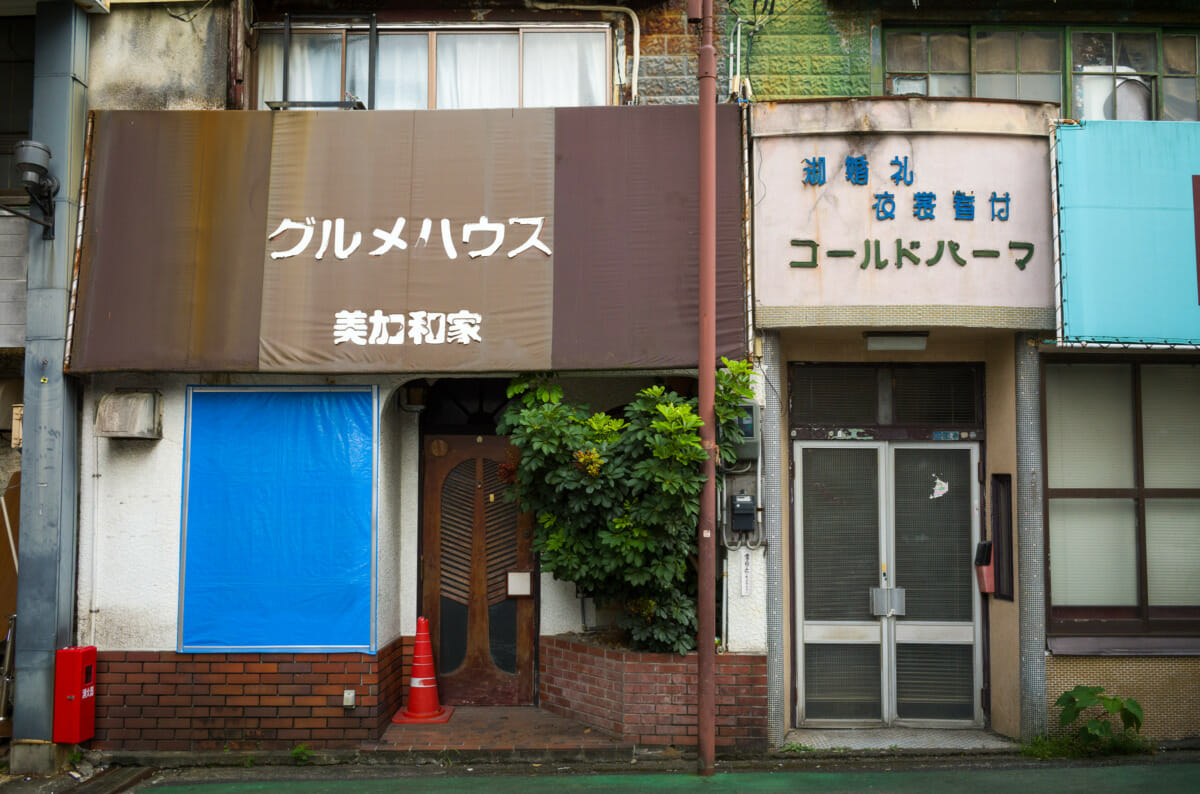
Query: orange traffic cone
<point x="422" y="687"/>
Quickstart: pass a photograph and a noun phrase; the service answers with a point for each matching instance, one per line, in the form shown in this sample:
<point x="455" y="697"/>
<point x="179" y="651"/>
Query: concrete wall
<point x="159" y="57"/>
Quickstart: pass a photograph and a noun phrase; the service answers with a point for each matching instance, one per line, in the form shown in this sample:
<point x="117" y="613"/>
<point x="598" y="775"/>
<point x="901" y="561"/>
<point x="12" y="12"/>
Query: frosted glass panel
<point x="1089" y="425"/>
<point x="1173" y="551"/>
<point x="1093" y="558"/>
<point x="1171" y="426"/>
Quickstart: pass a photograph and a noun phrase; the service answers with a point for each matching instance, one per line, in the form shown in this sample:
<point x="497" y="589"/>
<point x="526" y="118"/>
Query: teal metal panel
<point x="1128" y="232"/>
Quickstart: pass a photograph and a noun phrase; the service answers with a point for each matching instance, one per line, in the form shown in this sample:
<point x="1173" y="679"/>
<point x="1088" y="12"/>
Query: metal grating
<point x="841" y="532"/>
<point x="935" y="682"/>
<point x="842" y="682"/>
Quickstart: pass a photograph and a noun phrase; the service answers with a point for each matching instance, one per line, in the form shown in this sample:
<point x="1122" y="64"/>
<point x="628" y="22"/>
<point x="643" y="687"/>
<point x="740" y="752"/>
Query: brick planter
<point x="151" y="700"/>
<point x="650" y="698"/>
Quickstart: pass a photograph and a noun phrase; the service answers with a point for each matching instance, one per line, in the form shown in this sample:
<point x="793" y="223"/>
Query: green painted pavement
<point x="1161" y="778"/>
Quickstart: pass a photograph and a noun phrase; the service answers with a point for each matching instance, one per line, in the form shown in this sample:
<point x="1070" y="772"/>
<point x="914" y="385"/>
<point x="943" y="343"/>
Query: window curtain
<point x="314" y="68"/>
<point x="477" y="70"/>
<point x="401" y="71"/>
<point x="564" y="69"/>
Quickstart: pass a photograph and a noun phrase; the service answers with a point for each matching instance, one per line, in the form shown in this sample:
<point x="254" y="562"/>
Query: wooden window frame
<point x="1115" y="621"/>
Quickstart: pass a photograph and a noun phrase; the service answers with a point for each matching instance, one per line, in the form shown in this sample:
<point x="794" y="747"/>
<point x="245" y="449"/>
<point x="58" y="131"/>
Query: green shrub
<point x="616" y="500"/>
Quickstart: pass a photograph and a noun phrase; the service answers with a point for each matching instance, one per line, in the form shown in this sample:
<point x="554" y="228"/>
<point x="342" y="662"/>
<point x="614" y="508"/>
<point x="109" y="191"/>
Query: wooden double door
<point x="484" y="639"/>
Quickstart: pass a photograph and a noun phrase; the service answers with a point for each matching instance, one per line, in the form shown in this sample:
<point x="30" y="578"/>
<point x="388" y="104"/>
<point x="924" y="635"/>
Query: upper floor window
<point x="1090" y="74"/>
<point x="16" y="95"/>
<point x="407" y="68"/>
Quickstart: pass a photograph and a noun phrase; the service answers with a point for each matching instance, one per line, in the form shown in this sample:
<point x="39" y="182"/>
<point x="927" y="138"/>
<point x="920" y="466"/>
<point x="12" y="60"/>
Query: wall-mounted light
<point x="414" y="394"/>
<point x="31" y="161"/>
<point x="914" y="340"/>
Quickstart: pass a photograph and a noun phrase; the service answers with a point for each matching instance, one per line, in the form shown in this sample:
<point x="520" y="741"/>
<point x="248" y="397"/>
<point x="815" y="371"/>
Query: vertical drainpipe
<point x="706" y="617"/>
<point x="1030" y="539"/>
<point x="49" y="483"/>
<point x="771" y="366"/>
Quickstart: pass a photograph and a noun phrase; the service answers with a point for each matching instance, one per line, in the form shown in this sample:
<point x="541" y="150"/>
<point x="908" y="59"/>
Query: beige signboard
<point x="901" y="203"/>
<point x="409" y="240"/>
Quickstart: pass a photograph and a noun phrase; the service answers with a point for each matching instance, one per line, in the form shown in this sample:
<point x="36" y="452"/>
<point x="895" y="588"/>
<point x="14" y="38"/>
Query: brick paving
<point x="499" y="729"/>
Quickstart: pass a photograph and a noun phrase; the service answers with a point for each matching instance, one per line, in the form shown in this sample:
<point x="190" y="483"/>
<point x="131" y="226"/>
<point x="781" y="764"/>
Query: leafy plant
<point x="301" y="754"/>
<point x="1076" y="701"/>
<point x="616" y="500"/>
<point x="1096" y="736"/>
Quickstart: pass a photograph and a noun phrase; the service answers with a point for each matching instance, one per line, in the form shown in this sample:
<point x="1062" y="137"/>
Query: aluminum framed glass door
<point x="887" y="610"/>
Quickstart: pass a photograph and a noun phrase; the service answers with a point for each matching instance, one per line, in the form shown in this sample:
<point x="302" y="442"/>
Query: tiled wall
<point x="1167" y="687"/>
<point x="651" y="698"/>
<point x="179" y="701"/>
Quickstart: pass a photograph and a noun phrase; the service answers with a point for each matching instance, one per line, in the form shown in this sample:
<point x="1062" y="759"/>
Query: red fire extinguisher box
<point x="74" y="695"/>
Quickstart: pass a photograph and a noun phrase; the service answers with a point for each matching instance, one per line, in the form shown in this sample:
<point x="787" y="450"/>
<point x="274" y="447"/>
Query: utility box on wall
<point x="129" y="414"/>
<point x="74" y="695"/>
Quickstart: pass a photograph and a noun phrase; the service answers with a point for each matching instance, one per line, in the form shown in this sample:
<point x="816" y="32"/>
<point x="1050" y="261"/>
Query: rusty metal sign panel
<point x="400" y="241"/>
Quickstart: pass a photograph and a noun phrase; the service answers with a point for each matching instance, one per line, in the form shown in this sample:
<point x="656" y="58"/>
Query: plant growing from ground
<point x="301" y="754"/>
<point x="616" y="499"/>
<point x="1096" y="736"/>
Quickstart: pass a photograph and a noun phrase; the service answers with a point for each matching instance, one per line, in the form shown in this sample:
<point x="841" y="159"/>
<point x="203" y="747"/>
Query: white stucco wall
<point x="746" y="600"/>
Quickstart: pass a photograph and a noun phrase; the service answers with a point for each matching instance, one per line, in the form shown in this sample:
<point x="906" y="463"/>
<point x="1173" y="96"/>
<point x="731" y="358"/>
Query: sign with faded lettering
<point x="906" y="214"/>
<point x="435" y="251"/>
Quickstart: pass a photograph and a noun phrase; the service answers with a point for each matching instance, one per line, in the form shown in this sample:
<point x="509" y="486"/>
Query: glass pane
<point x="933" y="533"/>
<point x="996" y="86"/>
<point x="564" y="69"/>
<point x="1137" y="51"/>
<point x="270" y="69"/>
<point x="315" y="68"/>
<point x="401" y="71"/>
<point x="1179" y="54"/>
<point x="477" y="70"/>
<point x="949" y="85"/>
<point x="840" y="511"/>
<point x="1093" y="554"/>
<point x="1080" y="400"/>
<point x="996" y="51"/>
<point x="935" y="682"/>
<point x="949" y="52"/>
<point x="906" y="52"/>
<point x="842" y="682"/>
<point x="1173" y="551"/>
<point x="1041" y="87"/>
<point x="1179" y="99"/>
<point x="1091" y="49"/>
<point x="910" y="85"/>
<point x="1041" y="51"/>
<point x="1135" y="99"/>
<point x="1093" y="97"/>
<point x="1171" y="425"/>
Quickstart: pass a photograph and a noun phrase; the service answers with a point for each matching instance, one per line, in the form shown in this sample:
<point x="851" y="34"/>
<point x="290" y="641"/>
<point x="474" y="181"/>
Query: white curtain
<point x="314" y="68"/>
<point x="477" y="70"/>
<point x="401" y="71"/>
<point x="564" y="69"/>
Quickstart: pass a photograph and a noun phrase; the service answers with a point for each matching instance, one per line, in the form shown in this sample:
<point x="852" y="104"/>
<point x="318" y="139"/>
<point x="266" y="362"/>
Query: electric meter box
<point x="748" y="422"/>
<point x="74" y="695"/>
<point x="742" y="512"/>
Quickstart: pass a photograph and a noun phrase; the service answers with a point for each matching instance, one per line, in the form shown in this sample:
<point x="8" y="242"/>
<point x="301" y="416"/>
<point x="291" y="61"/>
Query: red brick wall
<point x="149" y="700"/>
<point x="650" y="698"/>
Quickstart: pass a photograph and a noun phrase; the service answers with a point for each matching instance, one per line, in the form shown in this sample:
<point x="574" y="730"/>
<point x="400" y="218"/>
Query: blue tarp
<point x="278" y="521"/>
<point x="1128" y="231"/>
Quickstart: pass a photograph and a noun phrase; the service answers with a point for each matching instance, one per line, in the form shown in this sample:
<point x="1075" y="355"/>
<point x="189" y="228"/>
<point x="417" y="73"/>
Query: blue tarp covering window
<point x="278" y="527"/>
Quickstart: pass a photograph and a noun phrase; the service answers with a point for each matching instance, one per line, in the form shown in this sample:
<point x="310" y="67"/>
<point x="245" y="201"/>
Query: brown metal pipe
<point x="707" y="608"/>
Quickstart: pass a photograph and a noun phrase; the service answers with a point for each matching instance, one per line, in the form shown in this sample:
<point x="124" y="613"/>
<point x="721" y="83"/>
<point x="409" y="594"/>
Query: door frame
<point x="884" y="631"/>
